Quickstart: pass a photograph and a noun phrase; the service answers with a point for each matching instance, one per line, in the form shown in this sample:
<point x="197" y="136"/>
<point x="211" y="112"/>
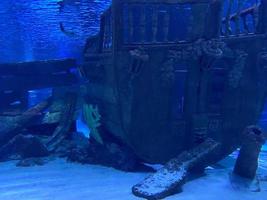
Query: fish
<point x="63" y="30"/>
<point x="63" y="3"/>
<point x="15" y="103"/>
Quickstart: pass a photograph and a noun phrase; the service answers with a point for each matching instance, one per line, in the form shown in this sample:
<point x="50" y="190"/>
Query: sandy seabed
<point x="61" y="180"/>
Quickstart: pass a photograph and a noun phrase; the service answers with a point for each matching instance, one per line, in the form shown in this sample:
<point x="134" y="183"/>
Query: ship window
<point x="179" y="91"/>
<point x="239" y="17"/>
<point x="156" y="23"/>
<point x="107" y="35"/>
<point x="216" y="87"/>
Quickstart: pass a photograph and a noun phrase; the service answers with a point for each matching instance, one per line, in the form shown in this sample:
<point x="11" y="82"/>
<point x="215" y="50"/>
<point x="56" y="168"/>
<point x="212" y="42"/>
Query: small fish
<point x="15" y="103"/>
<point x="8" y="91"/>
<point x="63" y="3"/>
<point x="62" y="28"/>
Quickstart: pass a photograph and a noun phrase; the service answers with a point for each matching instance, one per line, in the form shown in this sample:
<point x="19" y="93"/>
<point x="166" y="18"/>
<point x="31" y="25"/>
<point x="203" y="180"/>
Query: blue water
<point x="30" y="29"/>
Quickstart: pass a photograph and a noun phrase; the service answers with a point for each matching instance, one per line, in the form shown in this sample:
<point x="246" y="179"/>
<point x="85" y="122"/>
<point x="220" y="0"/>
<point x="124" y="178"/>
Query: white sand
<point x="59" y="180"/>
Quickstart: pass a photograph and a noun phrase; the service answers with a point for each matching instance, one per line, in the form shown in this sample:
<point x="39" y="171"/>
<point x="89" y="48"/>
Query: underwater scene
<point x="133" y="99"/>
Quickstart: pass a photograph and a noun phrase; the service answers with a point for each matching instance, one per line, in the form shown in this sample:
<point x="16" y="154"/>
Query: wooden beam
<point x="154" y="23"/>
<point x="262" y="26"/>
<point x="27" y="82"/>
<point x="166" y="25"/>
<point x="130" y="25"/>
<point x="66" y="120"/>
<point x="142" y="27"/>
<point x="38" y="67"/>
<point x="214" y="19"/>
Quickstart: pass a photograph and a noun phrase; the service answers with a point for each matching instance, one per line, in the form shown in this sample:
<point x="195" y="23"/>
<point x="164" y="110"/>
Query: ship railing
<point x="243" y="21"/>
<point x="151" y="21"/>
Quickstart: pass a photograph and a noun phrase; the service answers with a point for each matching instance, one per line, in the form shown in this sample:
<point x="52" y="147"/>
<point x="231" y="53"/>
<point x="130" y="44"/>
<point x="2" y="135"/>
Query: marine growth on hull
<point x="179" y="84"/>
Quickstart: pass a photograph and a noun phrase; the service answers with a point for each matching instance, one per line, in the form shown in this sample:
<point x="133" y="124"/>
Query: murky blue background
<point x="30" y="29"/>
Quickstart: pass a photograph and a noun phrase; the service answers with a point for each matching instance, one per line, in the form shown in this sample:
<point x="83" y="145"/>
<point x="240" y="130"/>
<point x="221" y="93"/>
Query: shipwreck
<point x="166" y="75"/>
<point x="167" y="81"/>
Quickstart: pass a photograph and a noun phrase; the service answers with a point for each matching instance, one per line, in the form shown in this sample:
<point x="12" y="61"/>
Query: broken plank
<point x="9" y="129"/>
<point x="65" y="123"/>
<point x="169" y="179"/>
